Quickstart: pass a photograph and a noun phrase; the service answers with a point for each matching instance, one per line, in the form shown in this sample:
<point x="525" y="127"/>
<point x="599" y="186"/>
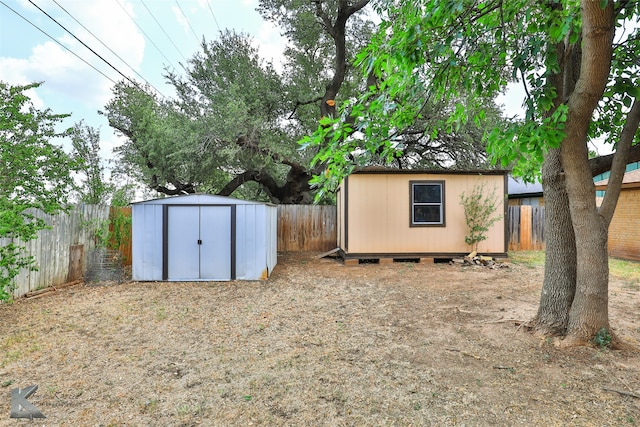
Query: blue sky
<point x="71" y="86"/>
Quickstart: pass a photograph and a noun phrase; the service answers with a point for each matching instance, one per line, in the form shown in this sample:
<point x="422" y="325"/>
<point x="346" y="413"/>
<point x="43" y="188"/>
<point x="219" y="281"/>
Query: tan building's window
<point x="427" y="203"/>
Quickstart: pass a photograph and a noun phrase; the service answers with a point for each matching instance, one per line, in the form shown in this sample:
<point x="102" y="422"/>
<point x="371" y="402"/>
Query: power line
<point x="214" y="16"/>
<point x="162" y="28"/>
<point x="146" y="35"/>
<point x="188" y="22"/>
<point x="84" y="44"/>
<point x="61" y="45"/>
<point x="110" y="50"/>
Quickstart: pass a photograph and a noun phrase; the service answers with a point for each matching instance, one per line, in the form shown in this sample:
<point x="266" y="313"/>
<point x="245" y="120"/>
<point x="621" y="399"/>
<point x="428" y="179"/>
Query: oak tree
<point x="235" y="120"/>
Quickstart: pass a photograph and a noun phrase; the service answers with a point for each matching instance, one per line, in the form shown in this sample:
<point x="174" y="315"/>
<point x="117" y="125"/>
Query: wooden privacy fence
<point x="307" y="227"/>
<point x="313" y="228"/>
<point x="526" y="228"/>
<point x="300" y="228"/>
<point x="60" y="251"/>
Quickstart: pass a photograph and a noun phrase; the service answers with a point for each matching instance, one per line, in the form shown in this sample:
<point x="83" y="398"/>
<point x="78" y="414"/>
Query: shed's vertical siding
<point x="376" y="211"/>
<point x="341" y="219"/>
<point x="146" y="240"/>
<point x="250" y="252"/>
<point x="271" y="245"/>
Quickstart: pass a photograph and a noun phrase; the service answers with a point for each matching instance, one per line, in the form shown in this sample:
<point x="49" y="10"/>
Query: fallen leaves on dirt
<point x="317" y="344"/>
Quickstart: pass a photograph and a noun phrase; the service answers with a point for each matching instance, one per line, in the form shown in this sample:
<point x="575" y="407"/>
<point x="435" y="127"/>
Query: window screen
<point x="427" y="203"/>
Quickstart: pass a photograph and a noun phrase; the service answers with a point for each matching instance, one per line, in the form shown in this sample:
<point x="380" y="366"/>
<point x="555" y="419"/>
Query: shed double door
<point x="199" y="243"/>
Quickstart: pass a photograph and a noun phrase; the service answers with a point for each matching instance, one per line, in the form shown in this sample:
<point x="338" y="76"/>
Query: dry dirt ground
<point x="319" y="344"/>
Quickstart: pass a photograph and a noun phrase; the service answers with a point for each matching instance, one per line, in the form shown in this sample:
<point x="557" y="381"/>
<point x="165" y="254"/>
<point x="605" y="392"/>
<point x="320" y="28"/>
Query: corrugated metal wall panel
<point x="146" y="241"/>
<point x="250" y="242"/>
<point x="255" y="239"/>
<point x="272" y="237"/>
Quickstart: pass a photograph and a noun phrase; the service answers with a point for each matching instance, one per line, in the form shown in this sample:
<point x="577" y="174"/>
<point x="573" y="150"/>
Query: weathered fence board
<point x="306" y="227"/>
<point x="526" y="228"/>
<point x="56" y="249"/>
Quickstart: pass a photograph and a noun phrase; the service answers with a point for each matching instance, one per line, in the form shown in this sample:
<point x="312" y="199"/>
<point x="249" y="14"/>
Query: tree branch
<point x="299" y="103"/>
<point x="337" y="31"/>
<point x="326" y="22"/>
<point x="356" y="7"/>
<point x="179" y="187"/>
<point x="262" y="177"/>
<point x="126" y="132"/>
<point x="245" y="142"/>
<point x="619" y="163"/>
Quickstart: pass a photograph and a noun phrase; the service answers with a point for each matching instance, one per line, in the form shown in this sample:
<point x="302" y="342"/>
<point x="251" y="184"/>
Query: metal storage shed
<point x="201" y="237"/>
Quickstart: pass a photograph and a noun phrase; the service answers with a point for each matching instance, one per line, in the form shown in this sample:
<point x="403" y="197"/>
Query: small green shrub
<point x="603" y="338"/>
<point x="479" y="213"/>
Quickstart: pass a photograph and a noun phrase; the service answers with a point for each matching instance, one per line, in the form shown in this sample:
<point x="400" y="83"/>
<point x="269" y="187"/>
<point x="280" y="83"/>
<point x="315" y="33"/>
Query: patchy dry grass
<point x="626" y="271"/>
<point x="531" y="259"/>
<point x="318" y="344"/>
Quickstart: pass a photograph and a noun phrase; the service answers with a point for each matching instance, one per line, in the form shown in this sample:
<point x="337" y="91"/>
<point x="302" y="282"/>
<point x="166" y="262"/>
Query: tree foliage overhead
<point x="235" y="120"/>
<point x="401" y="118"/>
<point x="36" y="174"/>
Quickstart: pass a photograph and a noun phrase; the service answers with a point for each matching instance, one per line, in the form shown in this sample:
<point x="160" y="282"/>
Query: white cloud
<point x="182" y="20"/>
<point x="62" y="71"/>
<point x="271" y="44"/>
<point x="12" y="72"/>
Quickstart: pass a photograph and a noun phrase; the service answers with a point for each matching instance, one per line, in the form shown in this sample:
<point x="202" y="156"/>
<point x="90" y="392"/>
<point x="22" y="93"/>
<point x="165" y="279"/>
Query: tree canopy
<point x="36" y="174"/>
<point x="235" y="120"/>
<point x="93" y="187"/>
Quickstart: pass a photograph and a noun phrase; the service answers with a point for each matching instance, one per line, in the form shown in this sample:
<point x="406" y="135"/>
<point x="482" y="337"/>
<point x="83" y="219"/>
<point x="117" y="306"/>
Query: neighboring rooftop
<point x="519" y="188"/>
<point x="630" y="180"/>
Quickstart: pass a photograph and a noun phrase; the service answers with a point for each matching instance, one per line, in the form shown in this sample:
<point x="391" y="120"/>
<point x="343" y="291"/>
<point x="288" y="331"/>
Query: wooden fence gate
<point x="526" y="228"/>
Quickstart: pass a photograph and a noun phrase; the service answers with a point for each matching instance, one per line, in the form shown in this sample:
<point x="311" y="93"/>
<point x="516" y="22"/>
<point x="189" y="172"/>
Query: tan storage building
<point x="399" y="214"/>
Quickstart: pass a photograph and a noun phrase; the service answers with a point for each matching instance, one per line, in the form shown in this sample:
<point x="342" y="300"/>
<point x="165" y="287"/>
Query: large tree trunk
<point x="575" y="291"/>
<point x="559" y="286"/>
<point x="589" y="311"/>
<point x="559" y="283"/>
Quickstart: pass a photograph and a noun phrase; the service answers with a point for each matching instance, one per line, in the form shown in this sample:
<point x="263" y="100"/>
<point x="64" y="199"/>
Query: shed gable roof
<point x="518" y="188"/>
<point x="198" y="199"/>
<point x="388" y="170"/>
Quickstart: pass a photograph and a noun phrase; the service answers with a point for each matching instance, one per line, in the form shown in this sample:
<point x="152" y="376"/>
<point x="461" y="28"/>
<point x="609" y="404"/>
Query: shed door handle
<point x="199" y="241"/>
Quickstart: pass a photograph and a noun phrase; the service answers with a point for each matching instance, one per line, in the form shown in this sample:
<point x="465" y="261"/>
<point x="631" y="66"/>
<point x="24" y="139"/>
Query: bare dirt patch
<point x="317" y="344"/>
